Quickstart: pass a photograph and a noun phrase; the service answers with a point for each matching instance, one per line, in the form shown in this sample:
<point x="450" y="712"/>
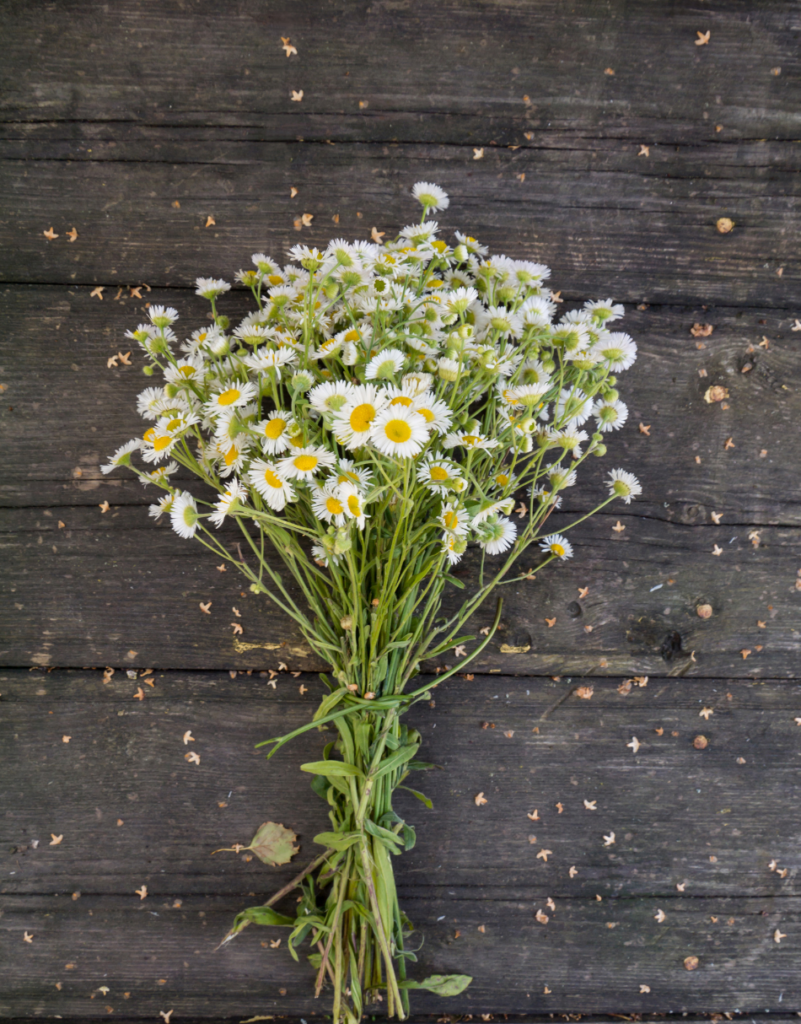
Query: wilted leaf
<point x="441" y="984"/>
<point x="273" y="844"/>
<point x="265" y="916"/>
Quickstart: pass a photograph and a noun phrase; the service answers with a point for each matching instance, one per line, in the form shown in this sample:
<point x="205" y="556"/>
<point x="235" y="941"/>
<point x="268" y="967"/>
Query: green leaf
<point x="441" y="984"/>
<point x="454" y="581"/>
<point x="420" y="796"/>
<point x="330" y="768"/>
<point x="337" y="840"/>
<point x="422" y="766"/>
<point x="409" y="836"/>
<point x="264" y="915"/>
<point x="274" y="844"/>
<point x="384" y="834"/>
<point x="401" y="756"/>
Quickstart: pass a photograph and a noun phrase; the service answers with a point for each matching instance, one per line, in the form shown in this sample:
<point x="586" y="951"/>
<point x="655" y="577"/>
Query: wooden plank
<point x="64" y="414"/>
<point x="164" y="958"/>
<point x="411" y="70"/>
<point x="118" y="589"/>
<point x="646" y="237"/>
<point x="680" y="815"/>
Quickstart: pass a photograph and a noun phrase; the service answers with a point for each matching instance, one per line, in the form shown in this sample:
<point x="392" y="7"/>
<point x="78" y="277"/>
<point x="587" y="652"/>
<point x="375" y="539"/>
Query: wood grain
<point x="715" y="832"/>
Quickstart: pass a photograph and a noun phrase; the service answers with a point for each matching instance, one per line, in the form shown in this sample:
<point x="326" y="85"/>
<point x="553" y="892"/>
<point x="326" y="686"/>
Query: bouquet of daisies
<point x="378" y="413"/>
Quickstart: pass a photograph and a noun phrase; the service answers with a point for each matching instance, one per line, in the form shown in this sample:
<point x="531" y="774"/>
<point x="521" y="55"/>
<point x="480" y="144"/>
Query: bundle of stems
<point x="384" y="407"/>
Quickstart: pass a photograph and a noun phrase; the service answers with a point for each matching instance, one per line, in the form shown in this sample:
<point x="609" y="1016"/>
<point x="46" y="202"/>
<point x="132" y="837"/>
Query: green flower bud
<point x="223" y="322"/>
<point x="610" y="395"/>
<point x="599" y="450"/>
<point x="171" y="390"/>
<point x="147" y="371"/>
<point x="301" y="381"/>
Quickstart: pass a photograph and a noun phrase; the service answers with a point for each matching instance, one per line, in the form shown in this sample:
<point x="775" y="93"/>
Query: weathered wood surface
<point x="109" y="115"/>
<point x="602" y="217"/>
<point x="680" y="816"/>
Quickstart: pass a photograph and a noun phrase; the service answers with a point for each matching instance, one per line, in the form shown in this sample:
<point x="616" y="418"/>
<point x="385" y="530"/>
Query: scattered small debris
<point x="55" y="840"/>
<point x="724" y="225"/>
<point x="645" y="429"/>
<point x="192" y="757"/>
<point x="479" y="800"/>
<point x="644" y="150"/>
<point x="691" y="962"/>
<point x="297" y="95"/>
<point x="210" y="223"/>
<point x="287" y="46"/>
<point x="705" y="713"/>
<point x="700" y="742"/>
<point x="778" y="936"/>
<point x="478" y="153"/>
<point x="703" y="38"/>
<point x="618" y="527"/>
<point x="141" y="893"/>
<point x="660" y="916"/>
<point x="205" y="608"/>
<point x="188" y="737"/>
<point x="634" y="744"/>
<point x="701" y="330"/>
<point x="544" y="855"/>
<point x="610" y="839"/>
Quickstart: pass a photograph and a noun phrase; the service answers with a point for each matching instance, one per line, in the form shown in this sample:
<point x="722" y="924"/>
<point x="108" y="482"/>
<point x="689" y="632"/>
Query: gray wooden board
<point x="117" y="589"/>
<point x="716" y="832"/>
<point x="422" y="71"/>
<point x="597" y="217"/>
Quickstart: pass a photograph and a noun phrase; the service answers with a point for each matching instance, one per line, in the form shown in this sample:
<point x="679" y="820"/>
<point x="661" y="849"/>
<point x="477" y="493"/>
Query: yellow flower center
<point x="275" y="279"/>
<point x="361" y="418"/>
<point x="305" y="463"/>
<point x="149" y="434"/>
<point x="202" y="336"/>
<point x="401" y="400"/>
<point x="397" y="431"/>
<point x="275" y="428"/>
<point x="502" y="479"/>
<point x="352" y="335"/>
<point x="345" y="478"/>
<point x="427" y="414"/>
<point x="229" y="397"/>
<point x="451" y="520"/>
<point x="230" y="455"/>
<point x="557" y="549"/>
<point x="354" y="507"/>
<point x="438" y="473"/>
<point x="334" y="506"/>
<point x="187" y="371"/>
<point x="160" y="443"/>
<point x="296" y="440"/>
<point x="273" y="479"/>
<point x="470" y="439"/>
<point x="173" y="424"/>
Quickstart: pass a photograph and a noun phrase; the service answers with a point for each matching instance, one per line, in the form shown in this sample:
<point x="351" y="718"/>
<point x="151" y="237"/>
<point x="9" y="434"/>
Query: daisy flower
<point x="160" y="475"/>
<point x="557" y="545"/>
<point x="469" y="441"/>
<point x="190" y="368"/>
<point x="502" y="320"/>
<point x="454" y="519"/>
<point x="275" y="490"/>
<point x="399" y="432"/>
<point x="435" y="412"/>
<point x="341" y="253"/>
<point x="353" y="423"/>
<point x="183" y="515"/>
<point x="233" y="393"/>
<point x="561" y="478"/>
<point x="503" y="480"/>
<point x="233" y="493"/>
<point x="605" y="310"/>
<point x="353" y="502"/>
<point x="430" y="197"/>
<point x="491" y="508"/>
<point x="385" y="365"/>
<point x="277" y="429"/>
<point x="330" y="396"/>
<point x="547" y="497"/>
<point x="327" y="505"/>
<point x="439" y="475"/>
<point x="414" y="384"/>
<point x="305" y="462"/>
<point x="159" y="441"/>
<point x="571" y="440"/>
<point x="623" y="485"/>
<point x="163" y="505"/>
<point x="271" y="359"/>
<point x="610" y="415"/>
<point x="454" y="546"/>
<point x="471" y="244"/>
<point x="572" y="406"/>
<point x="526" y="394"/>
<point x="497" y="535"/>
<point x="162" y="317"/>
<point x="122" y="456"/>
<point x="448" y="369"/>
<point x="618" y="351"/>
<point x="210" y="287"/>
<point x="348" y="472"/>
